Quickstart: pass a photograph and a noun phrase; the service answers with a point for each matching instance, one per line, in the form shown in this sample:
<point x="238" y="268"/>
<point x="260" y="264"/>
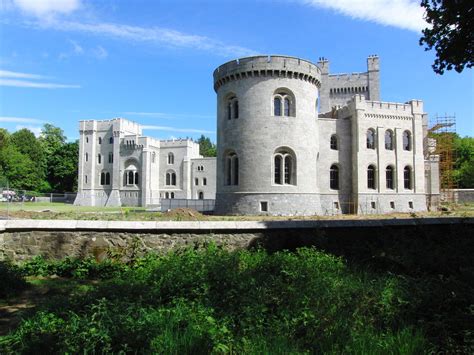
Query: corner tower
<point x="267" y="139"/>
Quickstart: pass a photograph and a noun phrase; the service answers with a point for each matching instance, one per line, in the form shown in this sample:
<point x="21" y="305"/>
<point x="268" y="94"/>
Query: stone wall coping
<point x="209" y="226"/>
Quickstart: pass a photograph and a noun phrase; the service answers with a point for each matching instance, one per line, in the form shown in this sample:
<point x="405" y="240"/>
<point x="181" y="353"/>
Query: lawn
<point x="67" y="211"/>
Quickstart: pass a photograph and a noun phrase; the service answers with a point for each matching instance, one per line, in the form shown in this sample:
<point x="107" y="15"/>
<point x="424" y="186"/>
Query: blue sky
<point x="152" y="61"/>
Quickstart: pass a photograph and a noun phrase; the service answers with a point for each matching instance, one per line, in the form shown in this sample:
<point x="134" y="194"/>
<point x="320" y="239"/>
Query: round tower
<point x="267" y="139"/>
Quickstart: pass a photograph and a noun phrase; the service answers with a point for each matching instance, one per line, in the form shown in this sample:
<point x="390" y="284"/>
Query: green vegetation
<point x="44" y="164"/>
<point x="203" y="300"/>
<point x="206" y="147"/>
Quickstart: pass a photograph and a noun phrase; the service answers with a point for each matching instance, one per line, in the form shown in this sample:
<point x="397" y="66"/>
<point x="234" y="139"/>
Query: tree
<point x="63" y="168"/>
<point x="52" y="138"/>
<point x="206" y="147"/>
<point x="451" y="33"/>
<point x="18" y="169"/>
<point x="464" y="167"/>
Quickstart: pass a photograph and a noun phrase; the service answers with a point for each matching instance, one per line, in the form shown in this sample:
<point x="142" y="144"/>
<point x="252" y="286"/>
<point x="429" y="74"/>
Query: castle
<point x="292" y="139"/>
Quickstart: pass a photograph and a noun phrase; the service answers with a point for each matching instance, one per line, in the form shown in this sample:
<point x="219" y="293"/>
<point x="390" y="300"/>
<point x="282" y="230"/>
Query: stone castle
<point x="292" y="139"/>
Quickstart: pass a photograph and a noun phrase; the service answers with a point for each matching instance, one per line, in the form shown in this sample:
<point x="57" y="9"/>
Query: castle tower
<point x="267" y="139"/>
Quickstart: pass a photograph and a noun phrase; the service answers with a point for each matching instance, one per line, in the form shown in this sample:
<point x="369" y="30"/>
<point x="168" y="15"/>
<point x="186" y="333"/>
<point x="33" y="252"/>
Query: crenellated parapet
<point x="267" y="66"/>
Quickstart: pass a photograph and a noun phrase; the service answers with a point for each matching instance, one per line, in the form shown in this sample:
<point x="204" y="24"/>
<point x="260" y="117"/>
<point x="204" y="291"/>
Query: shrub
<point x="11" y="280"/>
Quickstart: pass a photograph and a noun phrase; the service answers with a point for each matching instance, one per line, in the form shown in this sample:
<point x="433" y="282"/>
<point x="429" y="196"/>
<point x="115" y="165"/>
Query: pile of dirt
<point x="183" y="214"/>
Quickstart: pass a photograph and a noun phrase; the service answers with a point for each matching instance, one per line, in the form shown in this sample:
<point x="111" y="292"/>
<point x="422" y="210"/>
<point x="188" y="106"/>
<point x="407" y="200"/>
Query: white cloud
<point x="41" y="8"/>
<point x="35" y="129"/>
<point x="17" y="79"/>
<point x="17" y="75"/>
<point x="163" y="115"/>
<point x="9" y="119"/>
<point x="405" y="14"/>
<point x="156" y="35"/>
<point x="35" y="85"/>
<point x="77" y="48"/>
<point x="173" y="129"/>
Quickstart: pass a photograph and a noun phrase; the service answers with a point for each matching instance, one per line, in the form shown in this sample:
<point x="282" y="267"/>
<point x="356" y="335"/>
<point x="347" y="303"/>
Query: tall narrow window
<point x="173" y="179"/>
<point x="388" y="140"/>
<point x="107" y="178"/>
<point x="196" y="181"/>
<point x="334" y="142"/>
<point x="406" y="140"/>
<point x="102" y="178"/>
<point x="111" y="140"/>
<point x="100" y="140"/>
<point x="111" y="157"/>
<point x="87" y="139"/>
<point x="204" y="181"/>
<point x="371" y="177"/>
<point x="136" y="178"/>
<point x="87" y="157"/>
<point x="334" y="177"/>
<point x="278" y="164"/>
<point x="168" y="179"/>
<point x="287" y="106"/>
<point x="389" y="177"/>
<point x="231" y="169"/>
<point x="201" y="195"/>
<point x="370" y="139"/>
<point x="229" y="111"/>
<point x="236" y="109"/>
<point x="170" y="158"/>
<point x="284" y="167"/>
<point x="85" y="179"/>
<point x="407" y="178"/>
<point x="99" y="158"/>
<point x="130" y="178"/>
<point x="277" y="106"/>
<point x="172" y="195"/>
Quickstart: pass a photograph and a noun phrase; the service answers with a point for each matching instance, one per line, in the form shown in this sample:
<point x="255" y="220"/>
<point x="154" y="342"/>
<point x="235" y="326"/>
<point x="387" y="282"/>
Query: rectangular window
<point x="410" y="204"/>
<point x="336" y="205"/>
<point x="263" y="206"/>
<point x="196" y="181"/>
<point x="392" y="205"/>
<point x="372" y="204"/>
<point x="204" y="181"/>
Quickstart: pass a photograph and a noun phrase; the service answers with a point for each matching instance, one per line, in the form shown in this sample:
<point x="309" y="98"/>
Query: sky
<point x="151" y="61"/>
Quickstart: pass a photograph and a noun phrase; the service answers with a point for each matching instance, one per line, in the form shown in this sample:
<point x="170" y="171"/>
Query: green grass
<point x="209" y="300"/>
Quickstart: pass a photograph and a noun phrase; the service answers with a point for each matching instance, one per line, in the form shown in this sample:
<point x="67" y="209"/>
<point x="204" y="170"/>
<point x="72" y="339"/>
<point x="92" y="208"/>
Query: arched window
<point x="167" y="195"/>
<point x="334" y="142"/>
<point x="389" y="177"/>
<point x="102" y="178"/>
<point x="407" y="178"/>
<point x="284" y="167"/>
<point x="334" y="177"/>
<point x="136" y="178"/>
<point x="196" y="181"/>
<point x="107" y="178"/>
<point x="111" y="140"/>
<point x="284" y="103"/>
<point x="201" y="195"/>
<point x="131" y="171"/>
<point x="130" y="178"/>
<point x="406" y="140"/>
<point x="100" y="140"/>
<point x="111" y="157"/>
<point x="171" y="178"/>
<point x="371" y="177"/>
<point x="370" y="139"/>
<point x="87" y="156"/>
<point x="204" y="181"/>
<point x="231" y="169"/>
<point x="99" y="158"/>
<point x="170" y="158"/>
<point x="388" y="140"/>
<point x="87" y="139"/>
<point x="232" y="106"/>
<point x="277" y="106"/>
<point x="172" y="195"/>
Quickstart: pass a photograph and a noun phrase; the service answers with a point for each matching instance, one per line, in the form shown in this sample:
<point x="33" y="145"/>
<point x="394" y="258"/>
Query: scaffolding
<point x="443" y="130"/>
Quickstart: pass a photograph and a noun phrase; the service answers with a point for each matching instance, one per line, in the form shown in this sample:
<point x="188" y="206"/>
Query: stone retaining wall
<point x="23" y="239"/>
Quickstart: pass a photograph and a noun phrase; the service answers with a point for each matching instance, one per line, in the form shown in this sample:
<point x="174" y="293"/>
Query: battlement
<point x="272" y="65"/>
<point x="118" y="124"/>
<point x="173" y="143"/>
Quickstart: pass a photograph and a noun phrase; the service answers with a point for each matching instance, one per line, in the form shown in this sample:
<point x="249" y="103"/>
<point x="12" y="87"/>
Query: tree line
<point x="47" y="163"/>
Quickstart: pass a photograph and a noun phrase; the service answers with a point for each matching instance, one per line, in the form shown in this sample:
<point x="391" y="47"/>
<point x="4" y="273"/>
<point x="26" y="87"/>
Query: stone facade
<point x="292" y="139"/>
<point x="118" y="166"/>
